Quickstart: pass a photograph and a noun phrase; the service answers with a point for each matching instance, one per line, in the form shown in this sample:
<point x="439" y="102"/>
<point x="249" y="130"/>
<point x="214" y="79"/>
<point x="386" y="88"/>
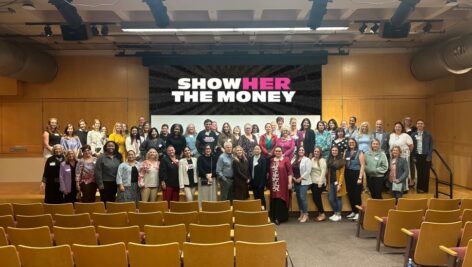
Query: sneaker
<point x="351" y="215"/>
<point x="332" y="217"/>
<point x="356" y="217"/>
<point x="337" y="218"/>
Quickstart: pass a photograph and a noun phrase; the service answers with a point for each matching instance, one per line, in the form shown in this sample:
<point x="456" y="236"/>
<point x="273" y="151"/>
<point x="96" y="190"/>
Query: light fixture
<point x="47" y="31"/>
<point x="427" y="27"/>
<point x="317" y="12"/>
<point x="104" y="30"/>
<point x="332" y="28"/>
<point x="234" y="30"/>
<point x="374" y="28"/>
<point x="28" y="5"/>
<point x="94" y="30"/>
<point x="451" y="3"/>
<point x="363" y="27"/>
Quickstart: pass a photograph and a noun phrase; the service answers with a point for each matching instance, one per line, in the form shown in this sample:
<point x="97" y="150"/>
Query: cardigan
<point x="305" y="170"/>
<point x="124" y="173"/>
<point x="318" y="171"/>
<point x="183" y="172"/>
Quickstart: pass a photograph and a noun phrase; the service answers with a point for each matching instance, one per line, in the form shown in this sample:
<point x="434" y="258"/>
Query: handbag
<point x="397" y="187"/>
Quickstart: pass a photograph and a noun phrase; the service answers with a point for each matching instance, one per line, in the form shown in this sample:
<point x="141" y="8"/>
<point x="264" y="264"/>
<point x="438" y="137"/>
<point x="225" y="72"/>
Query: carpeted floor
<point x="329" y="243"/>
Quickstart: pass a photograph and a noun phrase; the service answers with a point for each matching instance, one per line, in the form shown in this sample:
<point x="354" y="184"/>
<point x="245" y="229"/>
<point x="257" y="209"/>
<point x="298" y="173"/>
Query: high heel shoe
<point x="321" y="218"/>
<point x="304" y="218"/>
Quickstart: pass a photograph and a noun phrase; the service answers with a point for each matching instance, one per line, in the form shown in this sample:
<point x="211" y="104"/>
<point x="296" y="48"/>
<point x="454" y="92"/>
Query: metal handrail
<point x="451" y="177"/>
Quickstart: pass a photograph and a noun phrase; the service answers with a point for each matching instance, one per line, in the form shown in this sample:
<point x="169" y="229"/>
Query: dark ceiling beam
<point x="68" y="12"/>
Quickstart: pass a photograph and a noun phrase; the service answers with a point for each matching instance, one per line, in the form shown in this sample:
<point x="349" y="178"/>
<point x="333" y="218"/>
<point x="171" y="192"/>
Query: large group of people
<point x="134" y="164"/>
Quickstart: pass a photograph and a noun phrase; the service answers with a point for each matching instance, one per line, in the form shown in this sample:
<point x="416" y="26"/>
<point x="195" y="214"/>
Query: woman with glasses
<point x="354" y="175"/>
<point x="67" y="177"/>
<point x="280" y="185"/>
<point x="50" y="182"/>
<point x="286" y="143"/>
<point x="248" y="141"/>
<point x="127" y="179"/>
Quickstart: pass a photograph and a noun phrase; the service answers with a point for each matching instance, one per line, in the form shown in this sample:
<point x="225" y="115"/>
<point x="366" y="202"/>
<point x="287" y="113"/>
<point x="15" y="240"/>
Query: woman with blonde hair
<point x="248" y="140"/>
<point x="363" y="138"/>
<point x="236" y="134"/>
<point x="241" y="176"/>
<point x="118" y="136"/>
<point x="127" y="179"/>
<point x="318" y="178"/>
<point x="191" y="138"/>
<point x="67" y="177"/>
<point x="96" y="139"/>
<point x="148" y="176"/>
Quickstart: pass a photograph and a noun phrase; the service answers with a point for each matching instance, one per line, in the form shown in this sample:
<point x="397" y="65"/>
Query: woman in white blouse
<point x="301" y="167"/>
<point x="188" y="180"/>
<point x="400" y="138"/>
<point x="318" y="177"/>
<point x="96" y="139"/>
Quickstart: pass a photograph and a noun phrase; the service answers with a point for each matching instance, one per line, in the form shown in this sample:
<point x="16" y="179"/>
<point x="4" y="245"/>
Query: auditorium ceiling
<point x="431" y="22"/>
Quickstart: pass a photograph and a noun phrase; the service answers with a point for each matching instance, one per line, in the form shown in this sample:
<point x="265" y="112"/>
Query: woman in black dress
<point x="50" y="181"/>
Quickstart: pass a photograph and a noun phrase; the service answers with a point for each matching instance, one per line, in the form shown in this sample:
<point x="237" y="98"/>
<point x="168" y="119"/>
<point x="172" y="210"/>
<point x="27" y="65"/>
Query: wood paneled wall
<point x="109" y="88"/>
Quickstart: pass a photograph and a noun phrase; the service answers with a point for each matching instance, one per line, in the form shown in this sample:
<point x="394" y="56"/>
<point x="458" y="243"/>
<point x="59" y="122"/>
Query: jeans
<point x="301" y="191"/>
<point x="334" y="200"/>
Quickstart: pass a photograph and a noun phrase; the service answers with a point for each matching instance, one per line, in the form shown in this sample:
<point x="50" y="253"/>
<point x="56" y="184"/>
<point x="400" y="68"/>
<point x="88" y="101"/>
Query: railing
<point x="449" y="183"/>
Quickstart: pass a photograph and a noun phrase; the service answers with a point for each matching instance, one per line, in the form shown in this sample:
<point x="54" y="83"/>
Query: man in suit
<point x="422" y="155"/>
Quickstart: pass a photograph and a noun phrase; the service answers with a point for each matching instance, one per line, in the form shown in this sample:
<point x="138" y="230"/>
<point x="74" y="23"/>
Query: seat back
<point x="53" y="209"/>
<point x="398" y="219"/>
<point x="466" y="203"/>
<point x="28" y="209"/>
<point x="161" y="206"/>
<point x="216" y="205"/>
<point x="442" y="216"/>
<point x="468" y="255"/>
<point x="3" y="237"/>
<point x="77" y="235"/>
<point x="247" y="205"/>
<point x="110" y="235"/>
<point x="168" y="255"/>
<point x="72" y="220"/>
<point x="376" y="207"/>
<point x="466" y="216"/>
<point x="7" y="221"/>
<point x="34" y="237"/>
<point x="215" y="217"/>
<point x="412" y="204"/>
<point x="145" y="218"/>
<point x="24" y="221"/>
<point x="114" y="207"/>
<point x="466" y="234"/>
<point x="197" y="255"/>
<point x="443" y="204"/>
<point x="157" y="235"/>
<point x="261" y="254"/>
<point x="58" y="256"/>
<point x="9" y="256"/>
<point x="427" y="250"/>
<point x="176" y="206"/>
<point x="251" y="217"/>
<point x="97" y="207"/>
<point x="99" y="256"/>
<point x="6" y="209"/>
<point x="207" y="234"/>
<point x="171" y="218"/>
<point x="255" y="233"/>
<point x="119" y="219"/>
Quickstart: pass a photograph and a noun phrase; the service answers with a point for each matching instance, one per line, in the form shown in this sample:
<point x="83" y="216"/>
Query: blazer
<point x="183" y="174"/>
<point x="305" y="170"/>
<point x="308" y="141"/>
<point x="262" y="143"/>
<point x="427" y="144"/>
<point x="402" y="171"/>
<point x="259" y="177"/>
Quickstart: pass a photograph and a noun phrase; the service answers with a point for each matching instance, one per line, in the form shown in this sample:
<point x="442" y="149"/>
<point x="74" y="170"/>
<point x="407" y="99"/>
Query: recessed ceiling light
<point x="451" y="3"/>
<point x="206" y="30"/>
<point x="28" y="5"/>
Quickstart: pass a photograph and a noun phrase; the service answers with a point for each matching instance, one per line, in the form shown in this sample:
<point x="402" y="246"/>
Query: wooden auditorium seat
<point x="110" y="235"/>
<point x="251" y="218"/>
<point x="466" y="203"/>
<point x="99" y="256"/>
<point x="158" y="235"/>
<point x="412" y="204"/>
<point x="34" y="237"/>
<point x="171" y="218"/>
<point x="161" y="206"/>
<point x="145" y="218"/>
<point x="24" y="221"/>
<point x="390" y="227"/>
<point x="77" y="235"/>
<point x="72" y="220"/>
<point x="423" y="244"/>
<point x="214" y="206"/>
<point x="247" y="205"/>
<point x="272" y="254"/>
<point x="7" y="221"/>
<point x="6" y="209"/>
<point x="95" y="207"/>
<point x="466" y="216"/>
<point x="119" y="219"/>
<point x="215" y="217"/>
<point x="115" y="207"/>
<point x="3" y="237"/>
<point x="167" y="255"/>
<point x="459" y="256"/>
<point x="209" y="255"/>
<point x="177" y="206"/>
<point x="53" y="209"/>
<point x="9" y="256"/>
<point x="207" y="234"/>
<point x="373" y="207"/>
<point x="58" y="256"/>
<point x="255" y="233"/>
<point x="443" y="204"/>
<point x="442" y="216"/>
<point x="28" y="209"/>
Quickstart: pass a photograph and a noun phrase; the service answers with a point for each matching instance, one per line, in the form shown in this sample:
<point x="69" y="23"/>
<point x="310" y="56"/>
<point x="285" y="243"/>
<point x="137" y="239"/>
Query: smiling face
<point x="396" y="152"/>
<point x="257" y="150"/>
<point x="110" y="148"/>
<point x="131" y="156"/>
<point x="226" y="128"/>
<point x="334" y="151"/>
<point x="278" y="152"/>
<point x="151" y="154"/>
<point x="320" y="126"/>
<point x="171" y="151"/>
<point x="317" y="153"/>
<point x="306" y="124"/>
<point x="375" y="145"/>
<point x="301" y="152"/>
<point x="398" y="128"/>
<point x="207" y="150"/>
<point x="187" y="152"/>
<point x="352" y="144"/>
<point x="239" y="152"/>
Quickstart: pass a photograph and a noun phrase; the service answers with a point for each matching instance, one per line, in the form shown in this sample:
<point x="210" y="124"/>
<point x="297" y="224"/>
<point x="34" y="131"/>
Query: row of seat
<point x="418" y="227"/>
<point x="89" y="235"/>
<point x="121" y="219"/>
<point x="226" y="254"/>
<point x="113" y="207"/>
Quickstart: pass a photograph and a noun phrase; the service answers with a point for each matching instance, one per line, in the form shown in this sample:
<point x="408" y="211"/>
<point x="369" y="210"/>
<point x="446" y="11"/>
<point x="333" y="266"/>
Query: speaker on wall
<point x="79" y="34"/>
<point x="388" y="31"/>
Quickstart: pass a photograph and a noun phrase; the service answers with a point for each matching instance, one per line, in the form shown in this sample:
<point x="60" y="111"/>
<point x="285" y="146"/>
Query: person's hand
<point x="359" y="181"/>
<point x="163" y="185"/>
<point x="338" y="188"/>
<point x="122" y="188"/>
<point x="77" y="185"/>
<point x="289" y="186"/>
<point x="42" y="187"/>
<point x="320" y="185"/>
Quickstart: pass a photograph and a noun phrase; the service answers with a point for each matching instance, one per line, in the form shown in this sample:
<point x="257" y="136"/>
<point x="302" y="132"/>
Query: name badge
<point x="348" y="158"/>
<point x="67" y="170"/>
<point x="376" y="158"/>
<point x="52" y="164"/>
<point x="418" y="137"/>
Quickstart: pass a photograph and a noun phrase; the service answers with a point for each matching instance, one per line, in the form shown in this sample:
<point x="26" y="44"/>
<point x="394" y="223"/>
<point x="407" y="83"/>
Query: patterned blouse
<point x="84" y="171"/>
<point x="323" y="140"/>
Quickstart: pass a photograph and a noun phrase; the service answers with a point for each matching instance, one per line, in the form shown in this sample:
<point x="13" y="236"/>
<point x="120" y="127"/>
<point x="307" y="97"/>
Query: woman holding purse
<point x="399" y="171"/>
<point x="206" y="165"/>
